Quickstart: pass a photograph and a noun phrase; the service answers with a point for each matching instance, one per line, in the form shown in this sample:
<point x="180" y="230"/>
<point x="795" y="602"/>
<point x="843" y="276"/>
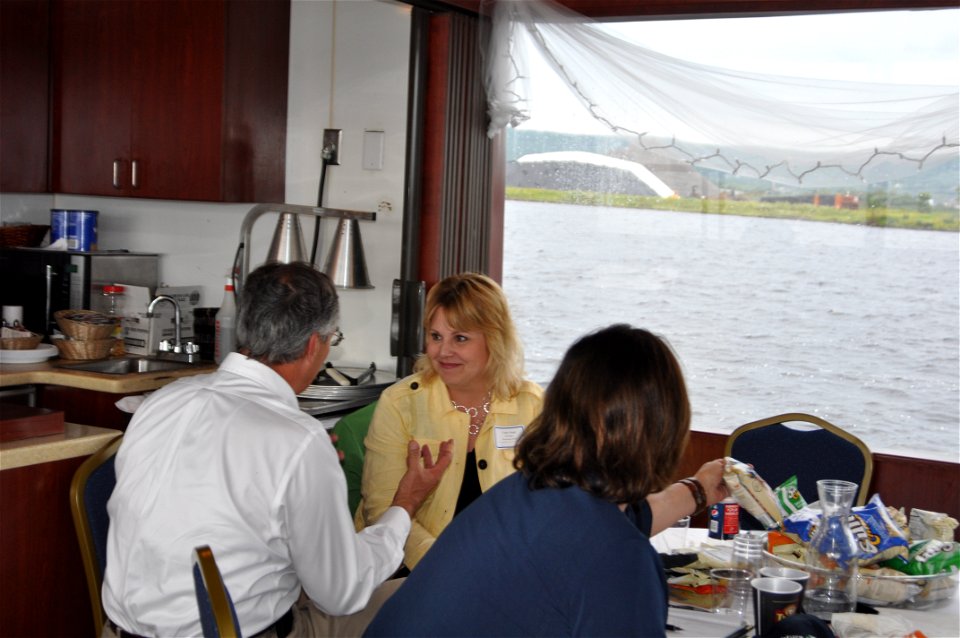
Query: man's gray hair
<point x="281" y="305"/>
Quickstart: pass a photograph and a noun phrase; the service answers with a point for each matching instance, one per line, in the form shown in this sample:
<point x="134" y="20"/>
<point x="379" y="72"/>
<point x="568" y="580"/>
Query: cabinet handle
<point x="116" y="174"/>
<point x="48" y="276"/>
<point x="133" y="174"/>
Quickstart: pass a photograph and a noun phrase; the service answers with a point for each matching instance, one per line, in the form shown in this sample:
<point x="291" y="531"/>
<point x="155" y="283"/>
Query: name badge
<point x="507" y="436"/>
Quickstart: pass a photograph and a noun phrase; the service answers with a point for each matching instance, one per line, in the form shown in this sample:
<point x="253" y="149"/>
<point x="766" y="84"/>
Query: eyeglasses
<point x="335" y="337"/>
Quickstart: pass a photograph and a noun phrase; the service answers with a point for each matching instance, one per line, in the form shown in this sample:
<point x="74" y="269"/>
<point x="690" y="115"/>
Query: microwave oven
<point x="45" y="281"/>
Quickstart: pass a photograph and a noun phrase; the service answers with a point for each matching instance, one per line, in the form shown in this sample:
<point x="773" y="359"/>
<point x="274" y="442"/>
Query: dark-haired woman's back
<point x="522" y="562"/>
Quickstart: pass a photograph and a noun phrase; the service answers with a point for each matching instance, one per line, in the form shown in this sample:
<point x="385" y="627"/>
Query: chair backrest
<point x="815" y="450"/>
<point x="90" y="489"/>
<point x="218" y="616"/>
<point x="351" y="430"/>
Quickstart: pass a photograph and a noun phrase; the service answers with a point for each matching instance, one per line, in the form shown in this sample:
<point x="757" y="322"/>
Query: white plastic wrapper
<point x="870" y="625"/>
<point x="931" y="525"/>
<point x="752" y="492"/>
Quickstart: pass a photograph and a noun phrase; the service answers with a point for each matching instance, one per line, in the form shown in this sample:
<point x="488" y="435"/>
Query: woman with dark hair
<point x="561" y="547"/>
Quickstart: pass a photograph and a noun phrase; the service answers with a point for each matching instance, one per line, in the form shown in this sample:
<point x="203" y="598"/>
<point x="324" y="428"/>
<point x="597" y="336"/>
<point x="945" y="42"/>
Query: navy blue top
<point x="522" y="562"/>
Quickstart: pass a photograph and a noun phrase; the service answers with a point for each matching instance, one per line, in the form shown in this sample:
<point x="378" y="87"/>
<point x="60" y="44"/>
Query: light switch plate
<point x="373" y="150"/>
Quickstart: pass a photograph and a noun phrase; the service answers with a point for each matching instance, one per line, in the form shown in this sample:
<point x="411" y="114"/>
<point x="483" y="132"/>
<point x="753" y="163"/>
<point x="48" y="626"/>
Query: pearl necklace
<point x="477" y="415"/>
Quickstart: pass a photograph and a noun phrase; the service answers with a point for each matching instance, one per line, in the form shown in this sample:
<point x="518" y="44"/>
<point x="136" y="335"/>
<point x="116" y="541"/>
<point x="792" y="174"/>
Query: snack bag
<point x="789" y="497"/>
<point x="752" y="492"/>
<point x="928" y="556"/>
<point x="924" y="524"/>
<point x="878" y="537"/>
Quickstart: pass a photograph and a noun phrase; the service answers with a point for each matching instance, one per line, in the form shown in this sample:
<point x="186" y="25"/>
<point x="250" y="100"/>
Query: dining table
<point x="684" y="621"/>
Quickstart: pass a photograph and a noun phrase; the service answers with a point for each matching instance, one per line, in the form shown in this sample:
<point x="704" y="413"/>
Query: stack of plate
<point x="326" y="389"/>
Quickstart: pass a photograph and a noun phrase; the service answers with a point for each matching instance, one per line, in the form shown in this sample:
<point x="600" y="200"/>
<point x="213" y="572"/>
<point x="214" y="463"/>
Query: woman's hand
<point x="710" y="476"/>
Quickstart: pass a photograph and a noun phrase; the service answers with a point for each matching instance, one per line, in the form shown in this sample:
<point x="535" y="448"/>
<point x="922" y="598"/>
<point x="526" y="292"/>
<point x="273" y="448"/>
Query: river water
<point x="857" y="325"/>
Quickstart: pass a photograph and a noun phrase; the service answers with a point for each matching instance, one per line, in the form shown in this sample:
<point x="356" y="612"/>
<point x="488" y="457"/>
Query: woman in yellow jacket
<point x="468" y="386"/>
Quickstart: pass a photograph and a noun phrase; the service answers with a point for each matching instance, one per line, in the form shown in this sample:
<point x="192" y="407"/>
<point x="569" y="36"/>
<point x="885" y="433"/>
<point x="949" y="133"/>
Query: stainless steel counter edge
<point x="46" y="373"/>
<point x="75" y="440"/>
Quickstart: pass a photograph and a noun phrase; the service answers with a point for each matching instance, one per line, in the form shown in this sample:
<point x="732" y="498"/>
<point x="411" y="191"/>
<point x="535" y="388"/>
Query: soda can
<point x="724" y="519"/>
<point x="82" y="230"/>
<point x="58" y="224"/>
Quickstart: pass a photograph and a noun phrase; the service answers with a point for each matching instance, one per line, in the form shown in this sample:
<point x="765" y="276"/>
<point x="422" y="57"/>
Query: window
<point x="839" y="300"/>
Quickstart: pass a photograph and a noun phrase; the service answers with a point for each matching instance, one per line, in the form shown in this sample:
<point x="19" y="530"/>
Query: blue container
<point x="724" y="519"/>
<point x="58" y="224"/>
<point x="82" y="230"/>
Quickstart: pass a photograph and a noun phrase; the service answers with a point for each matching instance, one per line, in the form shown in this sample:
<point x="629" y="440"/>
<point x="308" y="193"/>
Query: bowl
<point x="85" y="350"/>
<point x="886" y="589"/>
<point x="85" y="325"/>
<point x="26" y="341"/>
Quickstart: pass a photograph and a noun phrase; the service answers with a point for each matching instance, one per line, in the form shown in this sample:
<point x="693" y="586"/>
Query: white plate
<point x="41" y="353"/>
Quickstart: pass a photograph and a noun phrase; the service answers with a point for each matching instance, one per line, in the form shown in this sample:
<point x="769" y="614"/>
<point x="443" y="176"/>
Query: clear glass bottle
<point x="114" y="295"/>
<point x="832" y="556"/>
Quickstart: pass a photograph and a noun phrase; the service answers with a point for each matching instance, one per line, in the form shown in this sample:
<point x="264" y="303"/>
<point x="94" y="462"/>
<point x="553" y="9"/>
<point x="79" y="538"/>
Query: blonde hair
<point x="475" y="302"/>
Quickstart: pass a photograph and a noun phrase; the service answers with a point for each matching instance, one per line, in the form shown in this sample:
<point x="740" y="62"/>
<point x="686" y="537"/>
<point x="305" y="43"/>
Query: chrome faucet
<point x="189" y="352"/>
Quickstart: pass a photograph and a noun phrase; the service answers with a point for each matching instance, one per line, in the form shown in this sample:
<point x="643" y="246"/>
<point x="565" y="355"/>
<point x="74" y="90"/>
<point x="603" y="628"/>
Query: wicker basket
<point x="28" y="235"/>
<point x="85" y="325"/>
<point x="28" y="342"/>
<point x="86" y="350"/>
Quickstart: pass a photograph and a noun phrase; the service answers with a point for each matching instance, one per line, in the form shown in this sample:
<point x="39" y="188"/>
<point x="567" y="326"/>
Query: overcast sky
<point x="914" y="47"/>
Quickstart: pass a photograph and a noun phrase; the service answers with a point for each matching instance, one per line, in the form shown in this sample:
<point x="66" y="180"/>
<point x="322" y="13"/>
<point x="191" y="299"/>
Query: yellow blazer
<point x="412" y="409"/>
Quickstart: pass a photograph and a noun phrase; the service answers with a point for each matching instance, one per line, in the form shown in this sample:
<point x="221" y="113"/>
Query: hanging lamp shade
<point x="345" y="263"/>
<point x="287" y="245"/>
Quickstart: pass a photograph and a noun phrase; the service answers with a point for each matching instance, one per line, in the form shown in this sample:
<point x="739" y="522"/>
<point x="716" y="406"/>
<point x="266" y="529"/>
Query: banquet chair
<point x="350" y="431"/>
<point x="90" y="489"/>
<point x="798" y="444"/>
<point x="218" y="616"/>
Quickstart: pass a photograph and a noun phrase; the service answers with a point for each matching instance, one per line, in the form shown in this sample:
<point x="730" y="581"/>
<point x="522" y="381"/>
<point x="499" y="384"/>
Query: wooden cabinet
<point x="25" y="103"/>
<point x="172" y="100"/>
<point x="44" y="584"/>
<point x="88" y="407"/>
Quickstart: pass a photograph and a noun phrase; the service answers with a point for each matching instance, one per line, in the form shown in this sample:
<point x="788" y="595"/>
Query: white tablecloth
<point x="941" y="622"/>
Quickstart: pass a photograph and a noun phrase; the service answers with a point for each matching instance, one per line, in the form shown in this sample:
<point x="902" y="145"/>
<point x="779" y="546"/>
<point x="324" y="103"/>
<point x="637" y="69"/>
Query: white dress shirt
<point x="229" y="460"/>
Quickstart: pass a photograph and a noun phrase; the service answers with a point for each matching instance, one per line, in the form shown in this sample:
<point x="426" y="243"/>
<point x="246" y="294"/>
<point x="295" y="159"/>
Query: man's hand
<point x="421" y="478"/>
<point x="333" y="439"/>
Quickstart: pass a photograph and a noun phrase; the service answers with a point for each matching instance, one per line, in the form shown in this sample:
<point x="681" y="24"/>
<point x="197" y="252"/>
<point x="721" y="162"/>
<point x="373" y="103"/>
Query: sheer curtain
<point x="786" y="129"/>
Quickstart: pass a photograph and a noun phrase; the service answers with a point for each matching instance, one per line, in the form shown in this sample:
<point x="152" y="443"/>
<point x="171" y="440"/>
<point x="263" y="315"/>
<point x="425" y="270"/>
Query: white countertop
<point x="937" y="622"/>
<point x="75" y="440"/>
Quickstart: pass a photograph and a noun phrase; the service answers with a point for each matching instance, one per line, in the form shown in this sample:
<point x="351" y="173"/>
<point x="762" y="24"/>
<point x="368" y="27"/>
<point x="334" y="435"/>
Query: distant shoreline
<point x="880" y="217"/>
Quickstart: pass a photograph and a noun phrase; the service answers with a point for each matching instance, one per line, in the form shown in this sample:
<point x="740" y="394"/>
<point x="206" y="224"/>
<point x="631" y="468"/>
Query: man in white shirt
<point x="230" y="461"/>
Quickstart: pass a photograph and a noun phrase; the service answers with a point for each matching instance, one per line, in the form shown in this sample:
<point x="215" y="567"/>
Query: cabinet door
<point x="177" y="99"/>
<point x="24" y="85"/>
<point x="172" y="99"/>
<point x="92" y="112"/>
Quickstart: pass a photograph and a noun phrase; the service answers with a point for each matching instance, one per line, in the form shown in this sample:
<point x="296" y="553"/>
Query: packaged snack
<point x="789" y="497"/>
<point x="924" y="524"/>
<point x="802" y="524"/>
<point x="878" y="537"/>
<point x="885" y="587"/>
<point x="752" y="492"/>
<point x="928" y="556"/>
<point x="900" y="518"/>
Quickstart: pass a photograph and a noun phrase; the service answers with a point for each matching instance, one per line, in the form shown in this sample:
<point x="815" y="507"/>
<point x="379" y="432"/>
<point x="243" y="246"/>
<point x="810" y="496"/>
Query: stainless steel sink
<point x="127" y="365"/>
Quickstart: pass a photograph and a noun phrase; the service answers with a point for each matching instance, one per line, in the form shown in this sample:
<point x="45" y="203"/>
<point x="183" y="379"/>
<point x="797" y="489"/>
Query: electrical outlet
<point x="331" y="145"/>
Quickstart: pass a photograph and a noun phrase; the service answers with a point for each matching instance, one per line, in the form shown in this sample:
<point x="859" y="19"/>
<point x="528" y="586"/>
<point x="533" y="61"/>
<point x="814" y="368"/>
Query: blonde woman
<point x="468" y="386"/>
